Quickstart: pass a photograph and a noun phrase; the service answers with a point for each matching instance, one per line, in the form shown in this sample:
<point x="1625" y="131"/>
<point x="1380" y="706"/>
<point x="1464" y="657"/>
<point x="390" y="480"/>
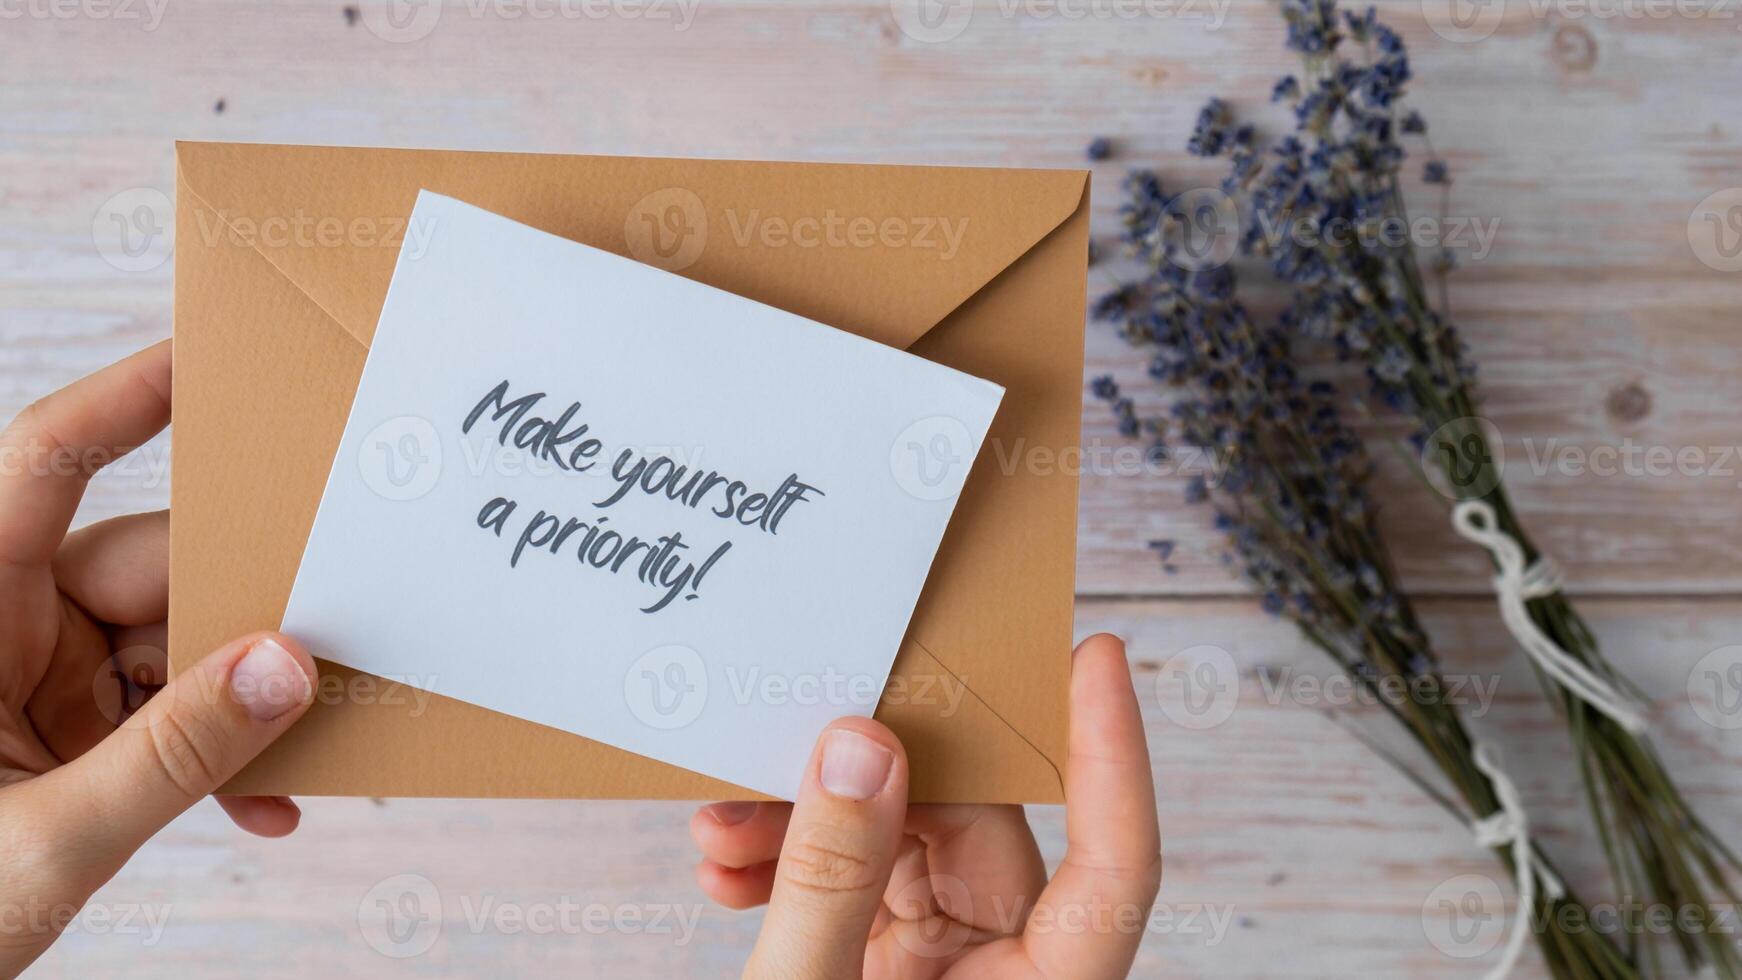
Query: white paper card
<point x="599" y="496"/>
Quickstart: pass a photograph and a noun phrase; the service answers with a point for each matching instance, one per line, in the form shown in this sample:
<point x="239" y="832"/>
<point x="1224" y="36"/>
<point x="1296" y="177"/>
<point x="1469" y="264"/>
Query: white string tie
<point x="1516" y="585"/>
<point x="1504" y="826"/>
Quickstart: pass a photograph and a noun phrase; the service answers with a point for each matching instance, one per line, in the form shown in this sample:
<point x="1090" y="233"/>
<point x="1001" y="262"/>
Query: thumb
<point x="188" y="740"/>
<point x="840" y="848"/>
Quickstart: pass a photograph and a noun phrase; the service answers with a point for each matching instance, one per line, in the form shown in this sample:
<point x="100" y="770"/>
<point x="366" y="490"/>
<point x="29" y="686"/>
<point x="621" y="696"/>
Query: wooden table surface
<point x="1603" y="314"/>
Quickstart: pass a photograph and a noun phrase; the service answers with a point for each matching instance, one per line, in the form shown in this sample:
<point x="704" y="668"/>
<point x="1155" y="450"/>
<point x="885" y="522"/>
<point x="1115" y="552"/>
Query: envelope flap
<point x="882" y="251"/>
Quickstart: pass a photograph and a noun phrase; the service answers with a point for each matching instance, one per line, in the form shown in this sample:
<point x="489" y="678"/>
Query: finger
<point x="740" y="834"/>
<point x="736" y="888"/>
<point x="118" y="570"/>
<point x="262" y="816"/>
<point x="1111" y="871"/>
<point x="185" y="743"/>
<point x="64" y="708"/>
<point x="87" y="690"/>
<point x="142" y="654"/>
<point x="840" y="846"/>
<point x="53" y="447"/>
<point x="979" y="865"/>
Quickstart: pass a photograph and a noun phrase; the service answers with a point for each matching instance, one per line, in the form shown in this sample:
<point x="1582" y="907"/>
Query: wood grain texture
<point x="1291" y="850"/>
<point x="1590" y="141"/>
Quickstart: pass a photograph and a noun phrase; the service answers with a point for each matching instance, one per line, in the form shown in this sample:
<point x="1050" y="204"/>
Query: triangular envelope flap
<point x="882" y="251"/>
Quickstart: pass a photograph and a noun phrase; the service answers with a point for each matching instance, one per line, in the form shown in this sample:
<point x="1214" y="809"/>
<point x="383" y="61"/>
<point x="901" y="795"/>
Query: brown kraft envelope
<point x="282" y="261"/>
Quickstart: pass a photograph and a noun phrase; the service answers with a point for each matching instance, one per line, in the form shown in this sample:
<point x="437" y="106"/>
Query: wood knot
<point x="1573" y="48"/>
<point x="1628" y="403"/>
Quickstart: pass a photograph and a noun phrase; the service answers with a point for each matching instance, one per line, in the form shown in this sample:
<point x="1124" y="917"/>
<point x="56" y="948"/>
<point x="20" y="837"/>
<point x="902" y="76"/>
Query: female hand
<point x="79" y="794"/>
<point x="860" y="884"/>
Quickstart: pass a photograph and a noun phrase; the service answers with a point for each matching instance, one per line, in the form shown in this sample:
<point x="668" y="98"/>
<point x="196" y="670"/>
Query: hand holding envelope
<point x="257" y="313"/>
<point x="81" y="796"/>
<point x="857" y="883"/>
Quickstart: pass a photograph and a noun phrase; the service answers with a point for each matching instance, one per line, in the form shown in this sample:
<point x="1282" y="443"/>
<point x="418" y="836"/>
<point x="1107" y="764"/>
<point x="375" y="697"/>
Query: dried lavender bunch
<point x="1290" y="493"/>
<point x="1316" y="207"/>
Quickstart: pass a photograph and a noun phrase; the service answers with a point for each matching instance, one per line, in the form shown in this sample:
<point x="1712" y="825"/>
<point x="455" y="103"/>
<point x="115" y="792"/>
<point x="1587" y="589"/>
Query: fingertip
<point x="263" y="816"/>
<point x="709" y="823"/>
<point x="858" y="759"/>
<point x="736" y="888"/>
<point x="274" y="678"/>
<point x="1100" y="671"/>
<point x="1100" y="644"/>
<point x="872" y="729"/>
<point x="752" y="840"/>
<point x="297" y="651"/>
